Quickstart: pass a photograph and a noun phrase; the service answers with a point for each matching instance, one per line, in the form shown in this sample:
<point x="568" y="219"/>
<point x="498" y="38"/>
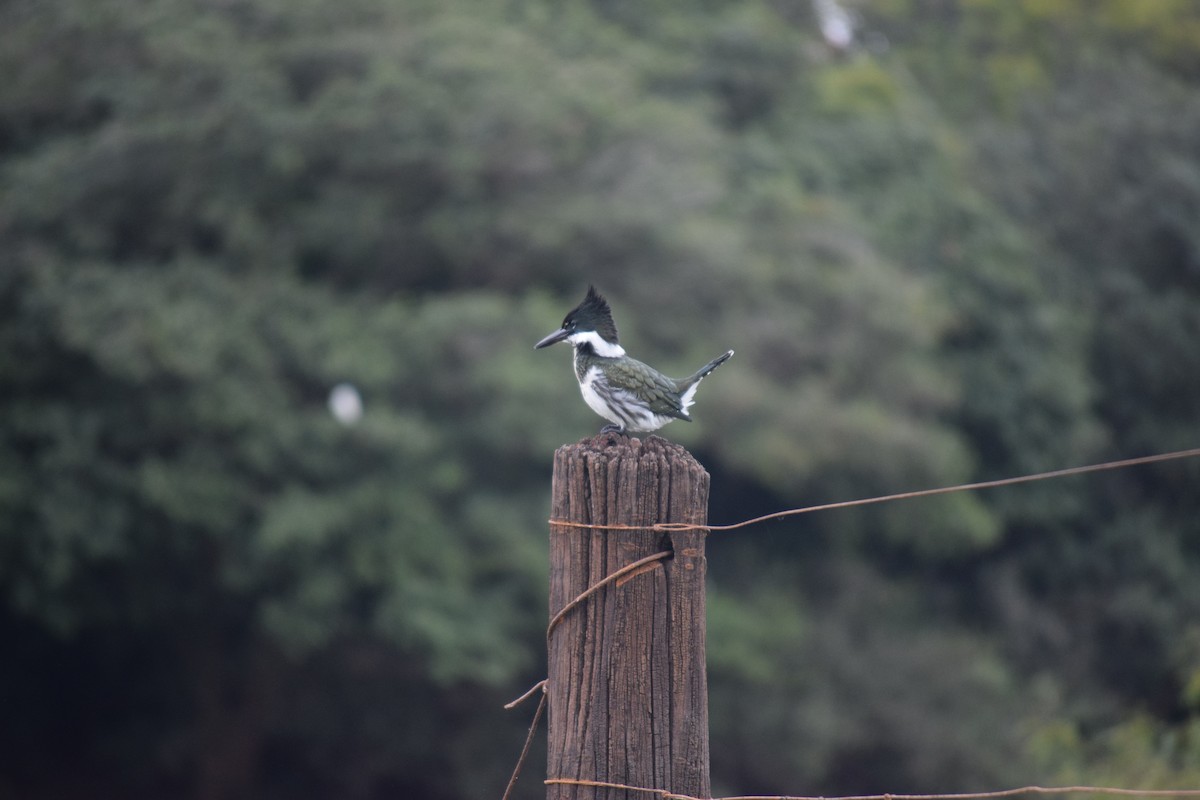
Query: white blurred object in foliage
<point x="837" y="24"/>
<point x="345" y="403"/>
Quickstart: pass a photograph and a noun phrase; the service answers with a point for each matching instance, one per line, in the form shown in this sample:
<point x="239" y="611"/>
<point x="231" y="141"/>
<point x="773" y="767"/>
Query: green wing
<point x="655" y="389"/>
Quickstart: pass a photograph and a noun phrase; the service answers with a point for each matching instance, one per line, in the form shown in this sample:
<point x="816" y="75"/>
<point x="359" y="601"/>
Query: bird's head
<point x="589" y="323"/>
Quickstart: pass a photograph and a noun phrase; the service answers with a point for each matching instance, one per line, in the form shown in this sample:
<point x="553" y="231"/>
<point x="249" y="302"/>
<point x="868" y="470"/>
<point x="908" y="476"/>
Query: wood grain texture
<point x="627" y="690"/>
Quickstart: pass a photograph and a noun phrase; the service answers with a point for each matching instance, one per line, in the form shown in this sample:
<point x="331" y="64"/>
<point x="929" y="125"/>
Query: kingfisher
<point x="629" y="394"/>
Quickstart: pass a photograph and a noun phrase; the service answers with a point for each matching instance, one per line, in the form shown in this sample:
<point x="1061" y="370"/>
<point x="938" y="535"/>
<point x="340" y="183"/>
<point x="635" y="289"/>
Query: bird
<point x="631" y="395"/>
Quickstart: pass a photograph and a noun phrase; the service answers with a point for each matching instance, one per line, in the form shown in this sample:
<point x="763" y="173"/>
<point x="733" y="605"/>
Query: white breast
<point x="595" y="401"/>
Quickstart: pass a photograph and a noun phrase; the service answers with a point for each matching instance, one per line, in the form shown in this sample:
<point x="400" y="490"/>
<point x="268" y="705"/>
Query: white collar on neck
<point x="602" y="348"/>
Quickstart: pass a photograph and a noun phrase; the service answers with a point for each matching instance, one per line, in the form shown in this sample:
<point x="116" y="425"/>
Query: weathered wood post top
<point x="626" y="687"/>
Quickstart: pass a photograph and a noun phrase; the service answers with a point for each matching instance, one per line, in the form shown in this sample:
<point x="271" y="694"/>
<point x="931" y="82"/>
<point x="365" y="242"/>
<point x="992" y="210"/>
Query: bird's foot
<point x="611" y="428"/>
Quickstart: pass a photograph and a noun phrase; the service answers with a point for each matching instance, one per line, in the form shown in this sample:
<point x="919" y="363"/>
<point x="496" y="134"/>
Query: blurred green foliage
<point x="965" y="249"/>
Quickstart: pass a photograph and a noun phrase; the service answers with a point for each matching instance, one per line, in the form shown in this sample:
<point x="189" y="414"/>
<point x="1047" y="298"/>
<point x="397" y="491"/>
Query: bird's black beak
<point x="553" y="338"/>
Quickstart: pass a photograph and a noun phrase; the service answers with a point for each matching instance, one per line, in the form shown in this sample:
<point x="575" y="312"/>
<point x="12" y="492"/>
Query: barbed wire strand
<point x="539" y="685"/>
<point x="533" y="726"/>
<point x="961" y="487"/>
<point x="595" y="587"/>
<point x="1042" y="790"/>
<point x="663" y="793"/>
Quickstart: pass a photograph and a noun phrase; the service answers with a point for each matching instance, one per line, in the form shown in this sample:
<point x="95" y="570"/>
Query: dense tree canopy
<point x="965" y="248"/>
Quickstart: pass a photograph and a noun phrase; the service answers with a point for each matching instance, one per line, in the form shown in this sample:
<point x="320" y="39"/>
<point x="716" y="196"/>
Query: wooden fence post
<point x="626" y="684"/>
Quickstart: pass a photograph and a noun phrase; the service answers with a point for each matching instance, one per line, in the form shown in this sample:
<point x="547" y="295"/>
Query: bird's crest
<point x="593" y="314"/>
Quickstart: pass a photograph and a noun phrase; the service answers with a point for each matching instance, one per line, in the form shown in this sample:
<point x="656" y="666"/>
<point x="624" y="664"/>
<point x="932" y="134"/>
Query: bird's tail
<point x="703" y="371"/>
<point x="687" y="386"/>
